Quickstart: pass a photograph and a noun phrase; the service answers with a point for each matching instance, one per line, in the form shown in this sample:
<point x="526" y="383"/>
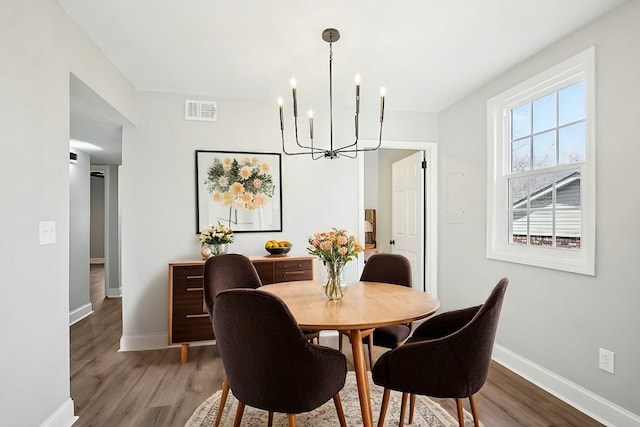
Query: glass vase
<point x="334" y="288"/>
<point x="213" y="249"/>
<point x="219" y="248"/>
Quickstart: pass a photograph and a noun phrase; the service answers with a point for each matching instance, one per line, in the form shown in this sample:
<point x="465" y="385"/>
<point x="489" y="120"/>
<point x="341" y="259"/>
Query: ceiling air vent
<point x="200" y="110"/>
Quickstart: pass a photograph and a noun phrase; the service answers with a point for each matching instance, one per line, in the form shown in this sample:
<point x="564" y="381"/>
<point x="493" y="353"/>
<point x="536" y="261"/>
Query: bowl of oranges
<point x="278" y="247"/>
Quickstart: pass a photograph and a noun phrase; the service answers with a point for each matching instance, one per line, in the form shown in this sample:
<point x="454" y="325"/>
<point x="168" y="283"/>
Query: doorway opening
<point x="428" y="260"/>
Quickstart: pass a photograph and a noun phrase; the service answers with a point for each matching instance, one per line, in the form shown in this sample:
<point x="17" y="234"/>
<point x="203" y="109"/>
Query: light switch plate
<point x="47" y="232"/>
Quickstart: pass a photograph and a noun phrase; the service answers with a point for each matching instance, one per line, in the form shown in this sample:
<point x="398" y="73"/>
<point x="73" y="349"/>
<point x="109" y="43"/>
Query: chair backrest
<point x="227" y="271"/>
<point x="268" y="361"/>
<point x="387" y="268"/>
<point x="474" y="342"/>
<point x="455" y="360"/>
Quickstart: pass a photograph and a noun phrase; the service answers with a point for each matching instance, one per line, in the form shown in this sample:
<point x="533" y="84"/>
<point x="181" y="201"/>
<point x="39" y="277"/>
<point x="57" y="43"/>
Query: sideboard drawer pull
<point x="286" y="266"/>
<point x="294" y="272"/>
<point x="194" y="289"/>
<point x="194" y="277"/>
<point x="195" y="316"/>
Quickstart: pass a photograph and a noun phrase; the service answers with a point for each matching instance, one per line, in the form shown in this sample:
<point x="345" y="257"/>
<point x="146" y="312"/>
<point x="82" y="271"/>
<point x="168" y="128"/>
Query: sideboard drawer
<point x="292" y="270"/>
<point x="188" y="270"/>
<point x="190" y="328"/>
<point x="188" y="301"/>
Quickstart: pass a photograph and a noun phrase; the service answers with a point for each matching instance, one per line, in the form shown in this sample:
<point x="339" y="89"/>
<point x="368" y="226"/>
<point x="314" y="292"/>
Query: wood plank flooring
<point x="152" y="388"/>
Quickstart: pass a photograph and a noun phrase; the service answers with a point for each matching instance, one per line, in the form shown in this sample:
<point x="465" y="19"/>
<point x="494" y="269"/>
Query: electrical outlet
<point x="47" y="232"/>
<point x="606" y="360"/>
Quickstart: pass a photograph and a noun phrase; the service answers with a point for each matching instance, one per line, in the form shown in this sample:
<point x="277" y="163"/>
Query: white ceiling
<point x="427" y="53"/>
<point x="95" y="122"/>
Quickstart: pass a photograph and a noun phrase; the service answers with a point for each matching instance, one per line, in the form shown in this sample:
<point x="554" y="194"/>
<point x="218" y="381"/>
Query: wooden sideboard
<point x="188" y="320"/>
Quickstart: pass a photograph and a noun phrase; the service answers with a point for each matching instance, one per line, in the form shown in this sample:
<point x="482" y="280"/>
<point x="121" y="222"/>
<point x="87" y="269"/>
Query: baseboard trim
<point x="80" y="313"/>
<point x="64" y="416"/>
<point x="113" y="292"/>
<point x="577" y="396"/>
<point x="143" y="342"/>
<point x="96" y="260"/>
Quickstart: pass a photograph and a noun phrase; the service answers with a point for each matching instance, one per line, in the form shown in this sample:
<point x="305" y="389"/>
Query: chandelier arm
<point x="349" y="156"/>
<point x="331" y="35"/>
<point x="346" y="149"/>
<point x="306" y="147"/>
<point x="289" y="153"/>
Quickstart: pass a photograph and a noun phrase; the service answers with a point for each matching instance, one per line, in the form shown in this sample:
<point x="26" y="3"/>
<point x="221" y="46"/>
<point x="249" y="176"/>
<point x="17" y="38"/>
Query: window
<point x="541" y="169"/>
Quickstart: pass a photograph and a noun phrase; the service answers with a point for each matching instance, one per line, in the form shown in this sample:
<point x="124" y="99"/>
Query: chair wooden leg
<point x="474" y="411"/>
<point x="239" y="413"/>
<point x="338" y="403"/>
<point x="292" y="420"/>
<point x="270" y="420"/>
<point x="412" y="406"/>
<point x="383" y="407"/>
<point x="370" y="343"/>
<point x="460" y="412"/>
<point x="403" y="406"/>
<point x="223" y="400"/>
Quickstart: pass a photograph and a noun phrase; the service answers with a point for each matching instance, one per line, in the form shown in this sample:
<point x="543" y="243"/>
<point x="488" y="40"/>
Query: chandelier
<point x="330" y="35"/>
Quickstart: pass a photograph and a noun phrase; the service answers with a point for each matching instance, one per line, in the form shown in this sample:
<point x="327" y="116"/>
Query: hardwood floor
<point x="152" y="388"/>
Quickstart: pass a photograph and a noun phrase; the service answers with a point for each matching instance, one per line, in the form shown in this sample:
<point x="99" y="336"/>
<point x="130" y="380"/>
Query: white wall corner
<point x="580" y="398"/>
<point x="80" y="313"/>
<point x="143" y="342"/>
<point x="63" y="416"/>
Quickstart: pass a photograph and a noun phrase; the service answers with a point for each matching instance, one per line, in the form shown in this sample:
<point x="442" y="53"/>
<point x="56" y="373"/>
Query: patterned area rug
<point x="427" y="412"/>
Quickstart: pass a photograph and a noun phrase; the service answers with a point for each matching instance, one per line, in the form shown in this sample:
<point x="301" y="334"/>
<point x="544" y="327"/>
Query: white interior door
<point x="407" y="222"/>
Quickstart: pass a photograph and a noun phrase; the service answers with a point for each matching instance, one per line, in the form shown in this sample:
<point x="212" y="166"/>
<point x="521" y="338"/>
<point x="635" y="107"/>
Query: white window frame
<point x="498" y="246"/>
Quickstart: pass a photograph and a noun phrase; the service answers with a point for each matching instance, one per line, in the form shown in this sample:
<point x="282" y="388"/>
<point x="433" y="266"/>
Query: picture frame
<point x="242" y="190"/>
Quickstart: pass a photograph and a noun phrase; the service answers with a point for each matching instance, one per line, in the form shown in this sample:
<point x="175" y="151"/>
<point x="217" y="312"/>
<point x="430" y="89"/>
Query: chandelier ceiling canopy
<point x="330" y="35"/>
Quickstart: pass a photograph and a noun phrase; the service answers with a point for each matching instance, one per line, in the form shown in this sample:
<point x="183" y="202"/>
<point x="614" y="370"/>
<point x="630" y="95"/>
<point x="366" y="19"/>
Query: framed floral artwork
<point x="241" y="190"/>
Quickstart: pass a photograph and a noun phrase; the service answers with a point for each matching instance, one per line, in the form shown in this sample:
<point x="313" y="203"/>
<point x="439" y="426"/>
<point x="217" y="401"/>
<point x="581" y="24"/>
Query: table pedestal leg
<point x="361" y="377"/>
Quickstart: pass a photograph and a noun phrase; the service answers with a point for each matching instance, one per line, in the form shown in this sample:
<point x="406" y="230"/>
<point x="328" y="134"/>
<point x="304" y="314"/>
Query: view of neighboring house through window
<point x="547" y="135"/>
<point x="541" y="169"/>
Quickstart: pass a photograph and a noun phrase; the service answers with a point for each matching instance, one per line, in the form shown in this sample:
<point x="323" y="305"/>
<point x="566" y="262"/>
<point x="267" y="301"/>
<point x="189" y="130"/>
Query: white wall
<point x="370" y="176"/>
<point x="97" y="218"/>
<point x="112" y="218"/>
<point x="158" y="192"/>
<point x="553" y="319"/>
<point x="39" y="46"/>
<point x="79" y="230"/>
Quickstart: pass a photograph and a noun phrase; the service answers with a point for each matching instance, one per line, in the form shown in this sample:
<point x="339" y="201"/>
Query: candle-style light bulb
<point x="295" y="99"/>
<point x="311" y="124"/>
<point x="382" y="93"/>
<point x="357" y="79"/>
<point x="280" y="102"/>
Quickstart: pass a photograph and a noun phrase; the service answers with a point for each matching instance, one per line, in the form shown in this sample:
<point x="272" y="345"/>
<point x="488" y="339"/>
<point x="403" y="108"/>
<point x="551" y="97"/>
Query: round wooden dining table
<point x="365" y="306"/>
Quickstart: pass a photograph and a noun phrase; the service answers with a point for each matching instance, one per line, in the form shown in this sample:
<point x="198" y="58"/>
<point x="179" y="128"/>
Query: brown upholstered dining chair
<point x="385" y="268"/>
<point x="231" y="271"/>
<point x="227" y="271"/>
<point x="222" y="272"/>
<point x="268" y="360"/>
<point x="448" y="356"/>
